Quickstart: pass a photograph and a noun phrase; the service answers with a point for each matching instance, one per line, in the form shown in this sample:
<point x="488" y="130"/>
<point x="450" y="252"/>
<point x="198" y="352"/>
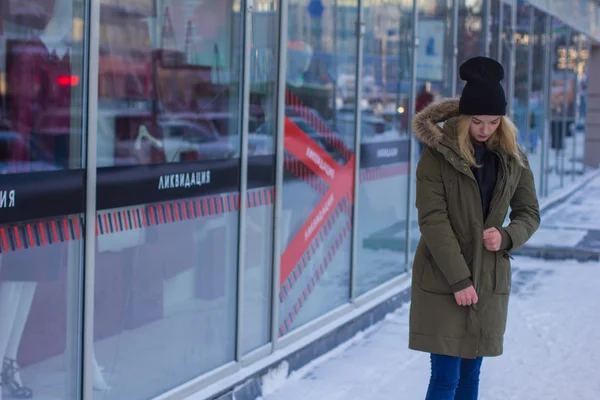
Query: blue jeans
<point x="453" y="378"/>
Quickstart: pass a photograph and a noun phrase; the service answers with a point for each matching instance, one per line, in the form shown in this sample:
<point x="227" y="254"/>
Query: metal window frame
<point x="411" y="192"/>
<point x="576" y="111"/>
<point x="279" y="153"/>
<point x="93" y="51"/>
<point x="354" y="246"/>
<point x="548" y="57"/>
<point x="512" y="58"/>
<point x="530" y="50"/>
<point x="245" y="107"/>
<point x="588" y="48"/>
<point x="454" y="65"/>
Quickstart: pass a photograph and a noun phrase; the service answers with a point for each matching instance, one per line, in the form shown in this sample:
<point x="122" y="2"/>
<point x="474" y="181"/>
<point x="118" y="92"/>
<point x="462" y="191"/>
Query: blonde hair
<point x="505" y="138"/>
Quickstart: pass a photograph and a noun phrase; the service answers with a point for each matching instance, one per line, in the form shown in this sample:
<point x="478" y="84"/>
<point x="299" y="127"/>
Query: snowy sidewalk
<point x="552" y="348"/>
<point x="571" y="227"/>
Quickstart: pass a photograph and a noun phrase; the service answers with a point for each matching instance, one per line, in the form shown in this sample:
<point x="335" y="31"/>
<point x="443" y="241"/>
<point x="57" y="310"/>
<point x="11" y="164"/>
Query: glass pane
<point x="470" y="33"/>
<point x="41" y="196"/>
<point x="521" y="103"/>
<point x="319" y="159"/>
<point x="168" y="193"/>
<point x="385" y="143"/>
<point x="537" y="101"/>
<point x="261" y="177"/>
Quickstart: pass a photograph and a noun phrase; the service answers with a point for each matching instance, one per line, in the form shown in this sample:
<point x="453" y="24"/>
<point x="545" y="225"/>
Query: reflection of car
<point x="265" y="132"/>
<point x="39" y="158"/>
<point x="202" y="140"/>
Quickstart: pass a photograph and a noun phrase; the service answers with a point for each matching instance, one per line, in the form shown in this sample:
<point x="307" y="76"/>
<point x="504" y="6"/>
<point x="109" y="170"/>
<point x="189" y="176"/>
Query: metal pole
<point x="279" y="155"/>
<point x="529" y="79"/>
<point x="245" y="100"/>
<point x="360" y="28"/>
<point x="454" y="65"/>
<point x="577" y="104"/>
<point x="90" y="201"/>
<point x="547" y="104"/>
<point x="413" y="142"/>
<point x="564" y="111"/>
<point x="588" y="48"/>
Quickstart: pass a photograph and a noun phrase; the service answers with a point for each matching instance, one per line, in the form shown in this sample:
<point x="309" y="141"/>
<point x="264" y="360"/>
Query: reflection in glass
<point x="537" y="101"/>
<point x="574" y="135"/>
<point x="40" y="86"/>
<point x="521" y="102"/>
<point x="562" y="94"/>
<point x="168" y="192"/>
<point x="319" y="160"/>
<point x="581" y="108"/>
<point x="168" y="83"/>
<point x="506" y="45"/>
<point x="470" y="33"/>
<point x="385" y="142"/>
<point x="40" y="141"/>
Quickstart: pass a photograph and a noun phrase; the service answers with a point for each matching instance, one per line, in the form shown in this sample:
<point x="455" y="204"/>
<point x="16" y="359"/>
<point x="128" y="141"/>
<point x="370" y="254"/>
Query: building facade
<point x="191" y="191"/>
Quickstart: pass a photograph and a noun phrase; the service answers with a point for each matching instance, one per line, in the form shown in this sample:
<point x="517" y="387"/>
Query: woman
<point x="470" y="172"/>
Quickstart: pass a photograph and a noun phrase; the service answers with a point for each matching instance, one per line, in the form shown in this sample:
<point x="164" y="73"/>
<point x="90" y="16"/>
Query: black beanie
<point x="483" y="94"/>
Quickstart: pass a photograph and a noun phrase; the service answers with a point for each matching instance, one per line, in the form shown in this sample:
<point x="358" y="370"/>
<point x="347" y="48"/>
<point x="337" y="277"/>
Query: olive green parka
<point x="451" y="255"/>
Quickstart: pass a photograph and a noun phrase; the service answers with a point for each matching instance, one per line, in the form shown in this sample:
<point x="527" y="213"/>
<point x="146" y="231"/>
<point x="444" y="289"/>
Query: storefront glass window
<point x="168" y="192"/>
<point x="385" y="143"/>
<point x="319" y="160"/>
<point x="42" y="144"/>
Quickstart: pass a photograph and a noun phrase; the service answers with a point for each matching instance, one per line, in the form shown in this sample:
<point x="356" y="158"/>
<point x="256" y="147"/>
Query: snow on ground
<point x="552" y="347"/>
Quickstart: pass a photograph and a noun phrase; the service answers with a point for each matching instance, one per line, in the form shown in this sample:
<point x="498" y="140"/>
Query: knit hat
<point x="483" y="94"/>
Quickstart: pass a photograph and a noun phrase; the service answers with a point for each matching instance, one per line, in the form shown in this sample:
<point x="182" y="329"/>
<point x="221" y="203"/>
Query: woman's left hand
<point x="492" y="239"/>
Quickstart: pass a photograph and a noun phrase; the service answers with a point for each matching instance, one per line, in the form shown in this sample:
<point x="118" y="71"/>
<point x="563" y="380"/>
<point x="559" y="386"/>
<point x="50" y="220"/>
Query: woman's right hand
<point x="466" y="297"/>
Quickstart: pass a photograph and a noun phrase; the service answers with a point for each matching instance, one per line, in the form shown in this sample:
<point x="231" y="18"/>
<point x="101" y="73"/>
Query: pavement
<point x="570" y="226"/>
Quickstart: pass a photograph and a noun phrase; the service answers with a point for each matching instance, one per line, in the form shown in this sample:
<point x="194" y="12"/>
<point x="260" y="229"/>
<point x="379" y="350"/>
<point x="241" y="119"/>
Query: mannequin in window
<point x="38" y="108"/>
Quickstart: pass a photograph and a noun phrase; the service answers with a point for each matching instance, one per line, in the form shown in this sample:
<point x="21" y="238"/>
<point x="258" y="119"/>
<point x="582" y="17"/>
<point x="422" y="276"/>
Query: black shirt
<point x="486" y="174"/>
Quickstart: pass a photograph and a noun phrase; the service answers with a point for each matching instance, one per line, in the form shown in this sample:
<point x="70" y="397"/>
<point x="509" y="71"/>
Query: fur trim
<point x="425" y="123"/>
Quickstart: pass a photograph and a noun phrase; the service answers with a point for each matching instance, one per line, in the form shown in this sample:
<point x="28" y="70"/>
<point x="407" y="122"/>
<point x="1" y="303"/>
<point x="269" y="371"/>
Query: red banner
<point x="340" y="180"/>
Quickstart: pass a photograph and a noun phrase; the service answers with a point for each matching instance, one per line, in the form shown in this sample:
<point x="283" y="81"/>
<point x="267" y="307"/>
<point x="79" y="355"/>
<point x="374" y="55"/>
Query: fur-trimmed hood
<point x="425" y="124"/>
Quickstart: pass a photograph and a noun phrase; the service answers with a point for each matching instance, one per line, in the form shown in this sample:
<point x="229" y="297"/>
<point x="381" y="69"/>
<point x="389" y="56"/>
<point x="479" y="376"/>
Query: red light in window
<point x="72" y="80"/>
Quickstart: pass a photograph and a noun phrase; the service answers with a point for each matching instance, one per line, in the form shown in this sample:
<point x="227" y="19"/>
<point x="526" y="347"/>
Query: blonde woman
<point x="469" y="174"/>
